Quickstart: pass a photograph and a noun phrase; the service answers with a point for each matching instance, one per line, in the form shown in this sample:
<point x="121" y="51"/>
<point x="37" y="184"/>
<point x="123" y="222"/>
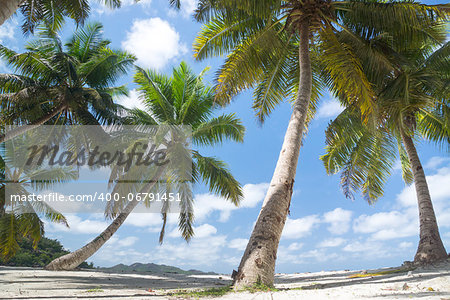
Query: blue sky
<point x="325" y="231"/>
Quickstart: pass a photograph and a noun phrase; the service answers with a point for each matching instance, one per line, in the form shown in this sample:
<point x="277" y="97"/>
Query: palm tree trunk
<point x="8" y="8"/>
<point x="22" y="129"/>
<point x="72" y="260"/>
<point x="258" y="262"/>
<point x="431" y="248"/>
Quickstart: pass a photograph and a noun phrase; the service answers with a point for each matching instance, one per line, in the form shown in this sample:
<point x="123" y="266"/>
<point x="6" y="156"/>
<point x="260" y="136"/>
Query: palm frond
<point x="219" y="179"/>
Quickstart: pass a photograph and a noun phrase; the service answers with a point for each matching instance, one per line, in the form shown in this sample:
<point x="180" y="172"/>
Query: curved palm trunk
<point x="431" y="248"/>
<point x="258" y="261"/>
<point x="74" y="259"/>
<point x="22" y="129"/>
<point x="8" y="8"/>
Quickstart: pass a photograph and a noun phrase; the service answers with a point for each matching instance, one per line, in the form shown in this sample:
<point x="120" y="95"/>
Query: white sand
<point x="28" y="283"/>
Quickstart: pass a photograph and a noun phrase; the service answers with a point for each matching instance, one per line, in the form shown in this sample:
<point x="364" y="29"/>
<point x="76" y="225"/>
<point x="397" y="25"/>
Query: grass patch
<point x="380" y="273"/>
<point x="221" y="291"/>
<point x="211" y="292"/>
<point x="260" y="287"/>
<point x="96" y="290"/>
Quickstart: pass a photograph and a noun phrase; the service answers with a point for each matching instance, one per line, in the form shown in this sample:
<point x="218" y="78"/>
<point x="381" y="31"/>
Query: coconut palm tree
<point x="53" y="12"/>
<point x="182" y="99"/>
<point x="50" y="11"/>
<point x="273" y="47"/>
<point x="412" y="101"/>
<point x="20" y="219"/>
<point x="62" y="84"/>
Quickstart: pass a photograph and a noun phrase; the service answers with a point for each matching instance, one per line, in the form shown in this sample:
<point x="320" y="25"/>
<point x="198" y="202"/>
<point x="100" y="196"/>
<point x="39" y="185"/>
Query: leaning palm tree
<point x="181" y="100"/>
<point x="55" y="84"/>
<point x="19" y="218"/>
<point x="412" y="101"/>
<point x="276" y="47"/>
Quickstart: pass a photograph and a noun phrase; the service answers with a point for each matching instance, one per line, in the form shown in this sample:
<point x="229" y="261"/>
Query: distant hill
<point x="46" y="251"/>
<point x="151" y="268"/>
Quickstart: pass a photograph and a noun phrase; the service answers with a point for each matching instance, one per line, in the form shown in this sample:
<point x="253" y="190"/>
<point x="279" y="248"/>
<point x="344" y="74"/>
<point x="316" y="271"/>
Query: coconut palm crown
<point x="412" y="101"/>
<point x="71" y="84"/>
<point x="292" y="50"/>
<point x="182" y="99"/>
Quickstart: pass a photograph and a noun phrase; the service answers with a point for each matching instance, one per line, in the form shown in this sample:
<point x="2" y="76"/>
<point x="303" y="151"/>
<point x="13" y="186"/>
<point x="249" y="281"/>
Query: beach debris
<point x="405" y="287"/>
<point x="410" y="273"/>
<point x="430" y="289"/>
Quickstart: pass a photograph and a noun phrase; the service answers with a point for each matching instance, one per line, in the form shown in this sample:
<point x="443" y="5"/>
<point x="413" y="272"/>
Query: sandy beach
<point x="27" y="283"/>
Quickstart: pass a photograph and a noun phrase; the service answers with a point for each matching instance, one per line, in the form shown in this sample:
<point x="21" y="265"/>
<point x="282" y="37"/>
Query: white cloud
<point x="295" y="246"/>
<point x="404" y="222"/>
<point x="101" y="8"/>
<point x="438" y="185"/>
<point x="318" y="255"/>
<point x="339" y="220"/>
<point x="7" y="31"/>
<point x="291" y="255"/>
<point x="436" y="161"/>
<point x="77" y="225"/>
<point x="331" y="242"/>
<point x="405" y="245"/>
<point x="133" y="2"/>
<point x="132" y="100"/>
<point x="144" y="220"/>
<point x="186" y="10"/>
<point x="238" y="244"/>
<point x="200" y="232"/>
<point x="154" y="42"/>
<point x="205" y="204"/>
<point x="330" y="108"/>
<point x="116" y="242"/>
<point x="188" y="7"/>
<point x="387" y="225"/>
<point x="128" y="241"/>
<point x="297" y="228"/>
<point x="366" y="247"/>
<point x="199" y="252"/>
<point x="253" y="194"/>
<point x="3" y="67"/>
<point x="204" y="231"/>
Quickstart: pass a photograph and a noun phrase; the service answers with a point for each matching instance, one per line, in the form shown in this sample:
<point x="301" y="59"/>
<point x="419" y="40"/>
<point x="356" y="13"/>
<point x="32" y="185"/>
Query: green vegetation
<point x="260" y="287"/>
<point x="361" y="275"/>
<point x="96" y="290"/>
<point x="294" y="50"/>
<point x="46" y="251"/>
<point x="182" y="99"/>
<point x="218" y="292"/>
<point x="211" y="292"/>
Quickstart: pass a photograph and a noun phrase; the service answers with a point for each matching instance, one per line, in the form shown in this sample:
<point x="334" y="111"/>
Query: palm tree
<point x="23" y="218"/>
<point x="183" y="100"/>
<point x="50" y="11"/>
<point x="53" y="84"/>
<point x="274" y="47"/>
<point x="412" y="100"/>
<point x="53" y="12"/>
